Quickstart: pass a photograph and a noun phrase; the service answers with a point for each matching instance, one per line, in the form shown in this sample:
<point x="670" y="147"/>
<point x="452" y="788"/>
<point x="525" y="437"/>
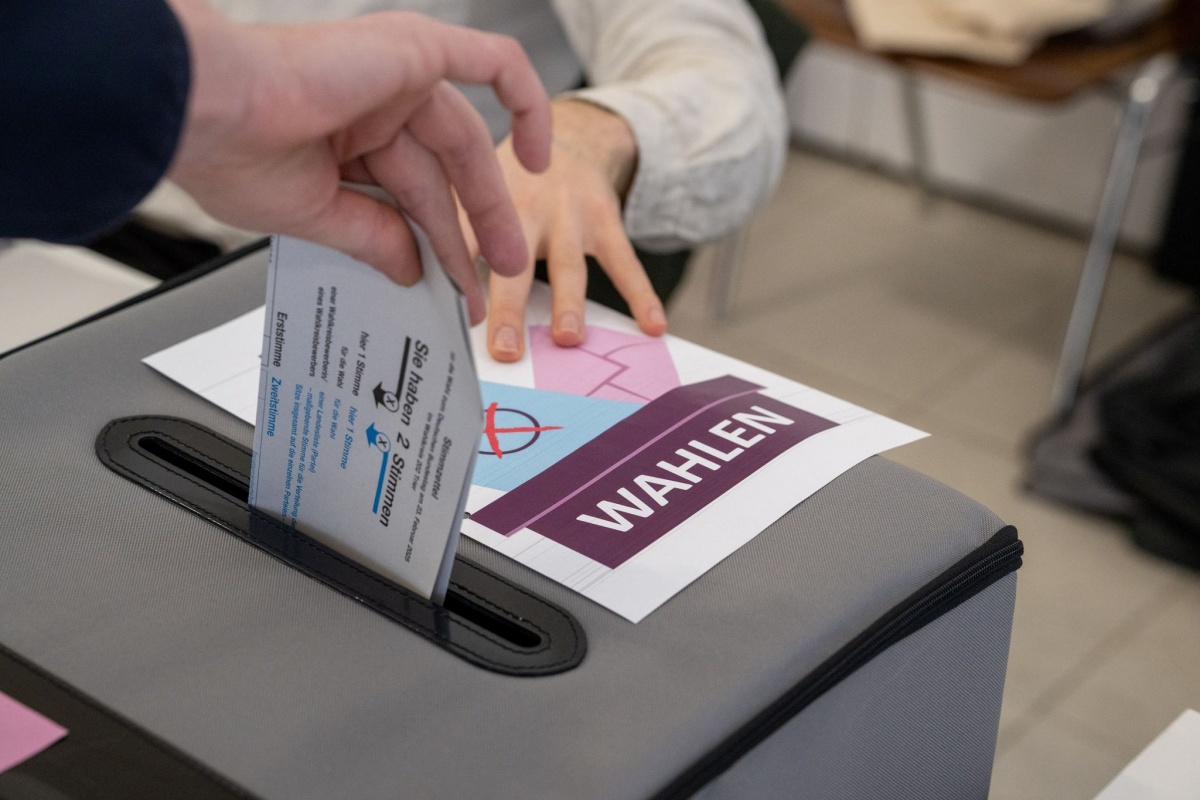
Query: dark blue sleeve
<point x="92" y="101"/>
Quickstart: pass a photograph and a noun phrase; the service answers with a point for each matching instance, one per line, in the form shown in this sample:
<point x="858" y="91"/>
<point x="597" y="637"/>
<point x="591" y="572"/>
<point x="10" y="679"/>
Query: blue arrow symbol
<point x="373" y="436"/>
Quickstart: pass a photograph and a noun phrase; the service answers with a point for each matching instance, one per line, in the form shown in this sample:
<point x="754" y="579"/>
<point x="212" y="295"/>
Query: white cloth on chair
<point x="991" y="31"/>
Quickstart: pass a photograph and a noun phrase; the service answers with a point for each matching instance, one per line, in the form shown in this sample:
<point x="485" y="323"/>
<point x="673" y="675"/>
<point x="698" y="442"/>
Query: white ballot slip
<point x="369" y="410"/>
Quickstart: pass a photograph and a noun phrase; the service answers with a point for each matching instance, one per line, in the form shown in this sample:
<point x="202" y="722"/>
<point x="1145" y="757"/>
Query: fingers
<point x="447" y="143"/>
<point x="474" y="57"/>
<point x="472" y="243"/>
<point x="399" y="54"/>
<point x="454" y="132"/>
<point x="567" y="271"/>
<point x="508" y="297"/>
<point x="506" y="315"/>
<point x="365" y="229"/>
<point x="416" y="180"/>
<point x="619" y="261"/>
<point x="356" y="171"/>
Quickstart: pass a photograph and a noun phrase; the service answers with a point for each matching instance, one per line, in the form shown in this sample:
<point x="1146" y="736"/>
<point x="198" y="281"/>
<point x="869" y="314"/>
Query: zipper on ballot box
<point x="996" y="558"/>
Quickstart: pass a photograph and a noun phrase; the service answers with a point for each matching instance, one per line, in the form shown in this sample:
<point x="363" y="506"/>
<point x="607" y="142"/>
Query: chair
<point x="786" y="36"/>
<point x="1059" y="71"/>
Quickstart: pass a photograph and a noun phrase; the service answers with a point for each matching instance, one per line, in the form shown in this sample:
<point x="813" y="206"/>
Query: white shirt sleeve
<point x="696" y="83"/>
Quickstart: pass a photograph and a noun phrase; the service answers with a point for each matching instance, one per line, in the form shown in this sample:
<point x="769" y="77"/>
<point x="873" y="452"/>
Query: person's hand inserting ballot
<point x="279" y="117"/>
<point x="571" y="210"/>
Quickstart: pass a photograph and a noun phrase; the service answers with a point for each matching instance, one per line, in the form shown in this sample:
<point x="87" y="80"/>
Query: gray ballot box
<point x="855" y="649"/>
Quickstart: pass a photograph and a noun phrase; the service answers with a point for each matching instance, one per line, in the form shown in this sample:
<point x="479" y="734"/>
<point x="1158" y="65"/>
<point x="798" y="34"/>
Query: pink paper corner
<point x="609" y="364"/>
<point x="24" y="733"/>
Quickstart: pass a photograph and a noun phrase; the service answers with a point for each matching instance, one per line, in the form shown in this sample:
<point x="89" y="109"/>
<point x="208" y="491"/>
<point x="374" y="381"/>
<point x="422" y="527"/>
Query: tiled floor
<point x="950" y="320"/>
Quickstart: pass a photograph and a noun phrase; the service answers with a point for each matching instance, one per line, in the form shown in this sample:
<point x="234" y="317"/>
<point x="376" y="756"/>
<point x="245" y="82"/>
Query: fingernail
<point x="656" y="316"/>
<point x="505" y="341"/>
<point x="569" y="322"/>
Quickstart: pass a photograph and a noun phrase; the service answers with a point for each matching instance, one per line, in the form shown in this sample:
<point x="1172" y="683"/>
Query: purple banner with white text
<point x="629" y="486"/>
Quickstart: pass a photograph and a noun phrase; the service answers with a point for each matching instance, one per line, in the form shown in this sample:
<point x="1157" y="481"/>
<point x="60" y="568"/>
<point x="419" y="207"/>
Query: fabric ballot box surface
<point x="855" y="649"/>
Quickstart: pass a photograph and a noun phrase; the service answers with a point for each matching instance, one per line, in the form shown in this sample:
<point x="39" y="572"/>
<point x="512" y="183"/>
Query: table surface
<point x="1058" y="70"/>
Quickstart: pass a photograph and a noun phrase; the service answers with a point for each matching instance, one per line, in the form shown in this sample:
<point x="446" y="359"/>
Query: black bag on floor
<point x="1151" y="448"/>
<point x="1129" y="448"/>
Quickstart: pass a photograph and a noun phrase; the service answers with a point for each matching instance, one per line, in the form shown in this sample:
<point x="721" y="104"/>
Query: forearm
<point x="697" y="86"/>
<point x="221" y="77"/>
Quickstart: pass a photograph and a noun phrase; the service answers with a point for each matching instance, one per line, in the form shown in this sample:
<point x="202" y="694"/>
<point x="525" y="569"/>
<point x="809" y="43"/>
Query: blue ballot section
<point x="526" y="431"/>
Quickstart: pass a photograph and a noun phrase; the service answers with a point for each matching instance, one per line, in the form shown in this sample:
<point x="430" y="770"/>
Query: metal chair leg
<point x="727" y="263"/>
<point x="918" y="139"/>
<point x="1142" y="95"/>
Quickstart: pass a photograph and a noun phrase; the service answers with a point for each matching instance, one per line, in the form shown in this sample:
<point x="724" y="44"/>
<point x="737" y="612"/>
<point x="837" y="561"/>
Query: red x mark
<point x="493" y="433"/>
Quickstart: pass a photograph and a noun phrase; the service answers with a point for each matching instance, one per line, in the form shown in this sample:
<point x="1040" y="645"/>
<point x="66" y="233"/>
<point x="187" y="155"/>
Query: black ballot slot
<point x="486" y="619"/>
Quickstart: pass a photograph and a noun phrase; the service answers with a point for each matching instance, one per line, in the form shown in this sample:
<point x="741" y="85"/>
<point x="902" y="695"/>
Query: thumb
<point x="368" y="230"/>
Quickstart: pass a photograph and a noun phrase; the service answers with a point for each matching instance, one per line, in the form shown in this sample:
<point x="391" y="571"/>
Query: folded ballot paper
<point x="624" y="468"/>
<point x="369" y="411"/>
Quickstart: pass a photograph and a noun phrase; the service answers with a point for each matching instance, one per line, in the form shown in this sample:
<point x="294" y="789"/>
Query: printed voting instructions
<point x="370" y="411"/>
<point x="629" y="466"/>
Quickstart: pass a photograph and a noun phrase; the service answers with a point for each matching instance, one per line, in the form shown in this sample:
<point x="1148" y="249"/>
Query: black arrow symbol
<point x="385" y="398"/>
<point x="379" y="393"/>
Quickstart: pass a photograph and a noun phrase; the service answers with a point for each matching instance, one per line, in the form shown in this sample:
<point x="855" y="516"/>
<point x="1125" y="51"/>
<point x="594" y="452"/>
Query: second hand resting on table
<point x="571" y="210"/>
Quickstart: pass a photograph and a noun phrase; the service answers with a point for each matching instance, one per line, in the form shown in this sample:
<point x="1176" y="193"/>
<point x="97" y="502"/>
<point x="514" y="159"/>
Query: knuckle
<point x="509" y="49"/>
<point x="460" y="152"/>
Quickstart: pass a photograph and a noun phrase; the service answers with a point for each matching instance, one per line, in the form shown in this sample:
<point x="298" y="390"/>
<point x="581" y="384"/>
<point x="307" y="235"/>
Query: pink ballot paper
<point x="23" y="733"/>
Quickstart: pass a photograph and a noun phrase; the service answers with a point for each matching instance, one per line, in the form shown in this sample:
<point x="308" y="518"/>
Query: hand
<point x="572" y="209"/>
<point x="279" y="116"/>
